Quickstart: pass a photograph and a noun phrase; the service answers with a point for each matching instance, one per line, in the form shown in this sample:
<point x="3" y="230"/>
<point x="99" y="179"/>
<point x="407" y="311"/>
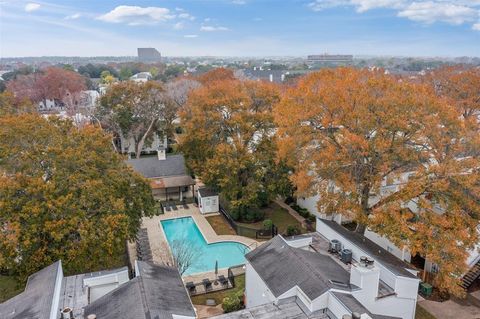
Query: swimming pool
<point x="227" y="253"/>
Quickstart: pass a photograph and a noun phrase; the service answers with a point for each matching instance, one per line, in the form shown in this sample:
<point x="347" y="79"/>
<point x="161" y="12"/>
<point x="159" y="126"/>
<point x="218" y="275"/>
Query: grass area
<point x="220" y="225"/>
<point x="421" y="313"/>
<point x="279" y="216"/>
<point x="218" y="296"/>
<point x="9" y="287"/>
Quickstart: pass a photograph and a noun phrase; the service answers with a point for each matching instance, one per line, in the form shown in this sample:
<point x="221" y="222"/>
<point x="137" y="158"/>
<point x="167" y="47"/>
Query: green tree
<point x="137" y="111"/>
<point x="64" y="194"/>
<point x="125" y="73"/>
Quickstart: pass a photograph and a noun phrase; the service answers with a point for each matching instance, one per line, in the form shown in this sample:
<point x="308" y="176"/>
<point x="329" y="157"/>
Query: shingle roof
<point x="283" y="267"/>
<point x="157" y="293"/>
<point x="394" y="264"/>
<point x="36" y="301"/>
<point x="207" y="192"/>
<point x="354" y="305"/>
<point x="150" y="167"/>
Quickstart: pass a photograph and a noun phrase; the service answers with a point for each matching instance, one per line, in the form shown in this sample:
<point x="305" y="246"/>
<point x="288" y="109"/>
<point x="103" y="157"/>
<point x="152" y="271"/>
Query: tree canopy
<point x="230" y="141"/>
<point x="137" y="111"/>
<point x="348" y="131"/>
<point x="52" y="83"/>
<point x="64" y="194"/>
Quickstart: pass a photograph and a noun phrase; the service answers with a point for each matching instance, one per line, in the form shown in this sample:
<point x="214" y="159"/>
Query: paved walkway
<point x="158" y="242"/>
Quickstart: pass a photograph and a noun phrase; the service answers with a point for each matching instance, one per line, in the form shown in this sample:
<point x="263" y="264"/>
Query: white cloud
<point x="425" y="11"/>
<point x="239" y="2"/>
<point x="210" y="28"/>
<point x="30" y="7"/>
<point x="73" y="16"/>
<point x="476" y="26"/>
<point x="187" y="16"/>
<point x="178" y="26"/>
<point x="190" y="36"/>
<point x="135" y="15"/>
<point x="430" y="12"/>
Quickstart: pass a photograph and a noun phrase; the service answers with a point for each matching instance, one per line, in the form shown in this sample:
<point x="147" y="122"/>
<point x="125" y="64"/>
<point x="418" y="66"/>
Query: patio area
<point x="160" y="250"/>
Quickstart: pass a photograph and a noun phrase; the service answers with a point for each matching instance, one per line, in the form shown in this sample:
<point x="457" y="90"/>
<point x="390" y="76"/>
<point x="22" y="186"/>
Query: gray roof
<point x="157" y="293"/>
<point x="207" y="192"/>
<point x="150" y="167"/>
<point x="282" y="267"/>
<point x="355" y="306"/>
<point x="36" y="301"/>
<point x="394" y="264"/>
<point x="286" y="309"/>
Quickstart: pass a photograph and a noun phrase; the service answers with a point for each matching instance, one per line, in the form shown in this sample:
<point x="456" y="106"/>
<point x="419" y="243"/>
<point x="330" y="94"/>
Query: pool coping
<point x="158" y="239"/>
<point x="212" y="243"/>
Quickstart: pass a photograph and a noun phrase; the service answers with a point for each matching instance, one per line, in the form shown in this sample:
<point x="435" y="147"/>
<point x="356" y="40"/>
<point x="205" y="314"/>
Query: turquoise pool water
<point x="226" y="253"/>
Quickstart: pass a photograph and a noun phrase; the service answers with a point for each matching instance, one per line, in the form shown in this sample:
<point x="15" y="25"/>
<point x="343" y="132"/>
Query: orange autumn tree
<point x="229" y="141"/>
<point x="64" y="194"/>
<point x="347" y="131"/>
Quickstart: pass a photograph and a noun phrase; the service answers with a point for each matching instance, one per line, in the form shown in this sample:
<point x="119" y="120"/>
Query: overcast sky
<point x="240" y="27"/>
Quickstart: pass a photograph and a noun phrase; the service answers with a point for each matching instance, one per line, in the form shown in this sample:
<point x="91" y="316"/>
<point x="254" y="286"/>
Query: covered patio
<point x="173" y="188"/>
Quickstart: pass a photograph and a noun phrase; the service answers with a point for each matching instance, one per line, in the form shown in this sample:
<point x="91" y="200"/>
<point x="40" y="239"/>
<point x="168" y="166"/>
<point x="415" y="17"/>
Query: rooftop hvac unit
<point x="356" y="315"/>
<point x="346" y="256"/>
<point x="366" y="262"/>
<point x="66" y="313"/>
<point x="335" y="246"/>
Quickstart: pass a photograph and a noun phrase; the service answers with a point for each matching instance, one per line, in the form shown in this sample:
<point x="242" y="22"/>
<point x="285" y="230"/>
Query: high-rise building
<point x="149" y="55"/>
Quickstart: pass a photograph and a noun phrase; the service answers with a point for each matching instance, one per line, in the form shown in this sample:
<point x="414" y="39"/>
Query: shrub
<point x="293" y="230"/>
<point x="233" y="302"/>
<point x="289" y="200"/>
<point x="253" y="215"/>
<point x="178" y="130"/>
<point x="263" y="199"/>
<point x="267" y="224"/>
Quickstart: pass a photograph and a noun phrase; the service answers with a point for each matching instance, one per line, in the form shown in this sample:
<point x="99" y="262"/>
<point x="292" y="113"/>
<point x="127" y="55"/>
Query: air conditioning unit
<point x="335" y="246"/>
<point x="346" y="256"/>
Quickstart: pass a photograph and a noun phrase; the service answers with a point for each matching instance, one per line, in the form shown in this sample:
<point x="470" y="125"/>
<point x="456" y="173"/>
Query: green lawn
<point x="218" y="296"/>
<point x="9" y="287"/>
<point x="421" y="313"/>
<point x="220" y="225"/>
<point x="279" y="216"/>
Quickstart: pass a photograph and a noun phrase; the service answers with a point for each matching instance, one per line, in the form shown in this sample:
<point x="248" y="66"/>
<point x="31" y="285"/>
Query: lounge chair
<point x="223" y="281"/>
<point x="174" y="207"/>
<point x="207" y="284"/>
<point x="191" y="287"/>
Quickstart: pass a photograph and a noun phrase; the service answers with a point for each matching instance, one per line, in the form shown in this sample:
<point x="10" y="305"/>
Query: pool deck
<point x="158" y="242"/>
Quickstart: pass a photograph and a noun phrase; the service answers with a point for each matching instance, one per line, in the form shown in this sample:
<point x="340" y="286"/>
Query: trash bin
<point x="426" y="289"/>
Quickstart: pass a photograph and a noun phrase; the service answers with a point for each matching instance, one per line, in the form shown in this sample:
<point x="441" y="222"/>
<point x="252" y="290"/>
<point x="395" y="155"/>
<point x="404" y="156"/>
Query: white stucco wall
<point x="309" y="203"/>
<point x="256" y="291"/>
<point x="101" y="285"/>
<point x="54" y="310"/>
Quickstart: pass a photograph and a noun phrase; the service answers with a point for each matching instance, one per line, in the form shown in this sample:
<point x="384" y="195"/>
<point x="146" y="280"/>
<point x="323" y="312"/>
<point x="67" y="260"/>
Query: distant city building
<point x="330" y="59"/>
<point x="149" y="55"/>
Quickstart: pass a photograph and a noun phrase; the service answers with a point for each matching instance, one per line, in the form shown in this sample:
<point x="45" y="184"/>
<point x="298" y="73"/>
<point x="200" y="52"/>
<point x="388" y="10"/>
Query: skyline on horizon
<point x="241" y="28"/>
